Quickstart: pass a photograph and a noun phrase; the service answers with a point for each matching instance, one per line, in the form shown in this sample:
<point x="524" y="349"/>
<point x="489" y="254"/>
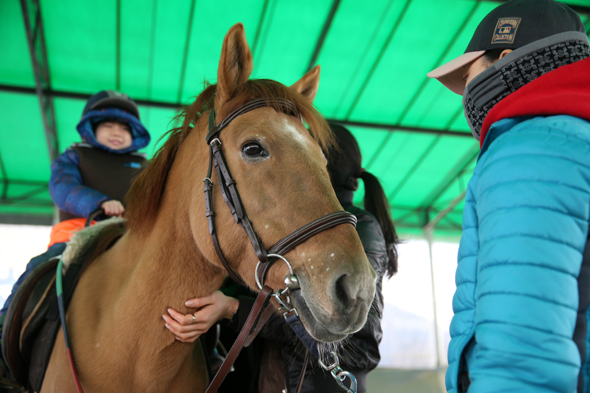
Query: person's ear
<point x="504" y="53"/>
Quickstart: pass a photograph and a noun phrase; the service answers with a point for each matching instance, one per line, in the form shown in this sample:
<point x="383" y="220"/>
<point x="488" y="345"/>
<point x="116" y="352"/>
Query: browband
<point x="215" y="129"/>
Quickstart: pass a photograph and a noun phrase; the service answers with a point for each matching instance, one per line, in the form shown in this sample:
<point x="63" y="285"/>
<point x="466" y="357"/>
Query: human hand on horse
<point x="210" y="309"/>
<point x="113" y="208"/>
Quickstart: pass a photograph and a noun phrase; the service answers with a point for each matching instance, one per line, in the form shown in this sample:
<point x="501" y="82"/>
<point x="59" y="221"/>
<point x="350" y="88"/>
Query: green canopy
<point x="374" y="56"/>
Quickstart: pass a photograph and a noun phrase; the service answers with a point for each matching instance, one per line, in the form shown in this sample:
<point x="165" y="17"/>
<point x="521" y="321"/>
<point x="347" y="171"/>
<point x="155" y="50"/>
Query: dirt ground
<point x="384" y="380"/>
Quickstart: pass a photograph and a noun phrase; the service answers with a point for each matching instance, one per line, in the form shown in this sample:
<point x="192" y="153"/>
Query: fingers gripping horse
<point x="166" y="254"/>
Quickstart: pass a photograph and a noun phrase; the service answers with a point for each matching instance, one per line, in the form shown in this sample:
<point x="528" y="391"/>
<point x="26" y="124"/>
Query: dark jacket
<point x="358" y="354"/>
<point x="84" y="177"/>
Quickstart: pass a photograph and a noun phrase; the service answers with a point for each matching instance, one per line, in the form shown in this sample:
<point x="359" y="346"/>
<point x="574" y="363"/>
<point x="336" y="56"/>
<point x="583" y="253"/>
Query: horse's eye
<point x="253" y="149"/>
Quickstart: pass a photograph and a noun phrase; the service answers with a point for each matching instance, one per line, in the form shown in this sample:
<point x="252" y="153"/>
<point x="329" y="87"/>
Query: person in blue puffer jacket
<point x="523" y="277"/>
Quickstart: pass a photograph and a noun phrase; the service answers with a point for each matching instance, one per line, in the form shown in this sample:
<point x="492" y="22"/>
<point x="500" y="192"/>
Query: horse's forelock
<point x="144" y="197"/>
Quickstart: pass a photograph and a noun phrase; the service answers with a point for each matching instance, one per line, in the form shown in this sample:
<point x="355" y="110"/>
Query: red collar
<point x="564" y="91"/>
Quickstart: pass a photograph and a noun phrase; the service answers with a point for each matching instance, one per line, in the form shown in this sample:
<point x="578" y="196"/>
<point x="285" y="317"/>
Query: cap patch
<point x="505" y="31"/>
<point x="113" y="93"/>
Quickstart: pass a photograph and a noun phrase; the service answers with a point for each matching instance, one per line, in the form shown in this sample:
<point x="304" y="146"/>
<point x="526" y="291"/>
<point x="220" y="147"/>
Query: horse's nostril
<point x="342" y="290"/>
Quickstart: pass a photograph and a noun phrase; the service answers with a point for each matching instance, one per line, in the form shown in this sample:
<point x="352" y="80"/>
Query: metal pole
<point x="170" y="105"/>
<point x="442" y="214"/>
<point x="428" y="232"/>
<point x="36" y="40"/>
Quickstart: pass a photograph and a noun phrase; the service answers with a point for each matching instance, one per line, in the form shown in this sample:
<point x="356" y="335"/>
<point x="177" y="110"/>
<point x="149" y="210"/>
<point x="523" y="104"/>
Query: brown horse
<point x="166" y="256"/>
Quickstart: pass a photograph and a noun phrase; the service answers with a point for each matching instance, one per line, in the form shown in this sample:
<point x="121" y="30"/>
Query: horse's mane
<point x="144" y="197"/>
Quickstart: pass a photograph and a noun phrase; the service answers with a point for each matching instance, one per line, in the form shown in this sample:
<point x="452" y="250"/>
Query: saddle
<point x="32" y="323"/>
<point x="32" y="320"/>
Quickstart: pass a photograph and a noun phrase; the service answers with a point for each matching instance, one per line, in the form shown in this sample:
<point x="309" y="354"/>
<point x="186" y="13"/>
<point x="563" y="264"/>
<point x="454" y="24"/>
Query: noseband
<point x="227" y="186"/>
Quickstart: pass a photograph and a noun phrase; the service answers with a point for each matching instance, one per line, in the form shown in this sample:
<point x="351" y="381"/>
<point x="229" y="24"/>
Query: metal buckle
<point x="336" y="362"/>
<point x="216" y="141"/>
<point x="285" y="306"/>
<point x="339" y="374"/>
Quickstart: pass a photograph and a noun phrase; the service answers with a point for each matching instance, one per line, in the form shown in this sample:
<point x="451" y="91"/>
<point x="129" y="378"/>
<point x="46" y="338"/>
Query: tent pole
<point x="428" y="233"/>
<point x="36" y="40"/>
<point x="443" y="213"/>
<point x="175" y="106"/>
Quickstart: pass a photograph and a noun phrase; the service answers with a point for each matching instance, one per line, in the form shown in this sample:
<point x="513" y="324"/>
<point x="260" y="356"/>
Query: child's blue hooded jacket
<point x="66" y="185"/>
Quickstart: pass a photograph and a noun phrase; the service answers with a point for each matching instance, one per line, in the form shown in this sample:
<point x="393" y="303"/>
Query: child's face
<point x="114" y="135"/>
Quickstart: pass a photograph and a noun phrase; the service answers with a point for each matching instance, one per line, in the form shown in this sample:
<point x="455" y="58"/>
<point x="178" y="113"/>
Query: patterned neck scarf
<point x="516" y="70"/>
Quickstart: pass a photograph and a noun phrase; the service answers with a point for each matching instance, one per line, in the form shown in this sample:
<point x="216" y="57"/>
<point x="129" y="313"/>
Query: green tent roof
<point x="374" y="57"/>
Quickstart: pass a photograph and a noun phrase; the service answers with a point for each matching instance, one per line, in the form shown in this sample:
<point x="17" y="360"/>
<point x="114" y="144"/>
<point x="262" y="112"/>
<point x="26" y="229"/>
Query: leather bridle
<point x="227" y="186"/>
<point x="262" y="309"/>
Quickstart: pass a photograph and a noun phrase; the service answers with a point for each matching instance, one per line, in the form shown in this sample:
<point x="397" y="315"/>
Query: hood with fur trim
<point x="86" y="126"/>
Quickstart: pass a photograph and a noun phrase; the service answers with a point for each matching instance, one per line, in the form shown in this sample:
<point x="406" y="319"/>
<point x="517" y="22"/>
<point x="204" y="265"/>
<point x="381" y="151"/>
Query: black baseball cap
<point x="511" y="25"/>
<point x="111" y="99"/>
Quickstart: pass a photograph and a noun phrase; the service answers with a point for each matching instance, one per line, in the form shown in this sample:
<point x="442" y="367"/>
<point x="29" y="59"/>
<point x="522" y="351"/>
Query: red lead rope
<point x="62" y="316"/>
<point x="74" y="374"/>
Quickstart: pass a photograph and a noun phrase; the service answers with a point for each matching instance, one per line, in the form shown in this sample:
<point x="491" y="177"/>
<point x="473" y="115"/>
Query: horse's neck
<point x="168" y="269"/>
<point x="145" y="274"/>
<point x="120" y="301"/>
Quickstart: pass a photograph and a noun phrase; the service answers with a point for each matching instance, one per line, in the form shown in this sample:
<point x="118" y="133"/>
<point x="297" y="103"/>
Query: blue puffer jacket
<point x="525" y="228"/>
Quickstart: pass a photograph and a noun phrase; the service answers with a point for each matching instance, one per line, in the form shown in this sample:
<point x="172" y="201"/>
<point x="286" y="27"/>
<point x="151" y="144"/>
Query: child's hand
<point x="113" y="208"/>
<point x="210" y="309"/>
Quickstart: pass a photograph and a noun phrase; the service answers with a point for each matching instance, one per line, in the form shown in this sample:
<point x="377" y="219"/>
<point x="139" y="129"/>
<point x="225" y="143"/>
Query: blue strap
<point x="60" y="300"/>
<point x="295" y="324"/>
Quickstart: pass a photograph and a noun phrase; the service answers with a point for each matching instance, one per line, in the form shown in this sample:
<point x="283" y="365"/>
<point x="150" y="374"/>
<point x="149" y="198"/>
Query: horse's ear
<point x="235" y="64"/>
<point x="308" y="84"/>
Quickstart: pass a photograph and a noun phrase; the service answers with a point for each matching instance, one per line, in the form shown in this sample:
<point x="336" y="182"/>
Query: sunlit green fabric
<point x="374" y="57"/>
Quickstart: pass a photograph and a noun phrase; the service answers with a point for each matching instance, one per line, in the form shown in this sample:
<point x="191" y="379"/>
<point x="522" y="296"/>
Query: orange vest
<point x="63" y="231"/>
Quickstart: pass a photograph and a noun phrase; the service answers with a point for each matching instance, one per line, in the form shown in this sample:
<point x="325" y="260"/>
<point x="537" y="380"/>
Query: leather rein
<point x="262" y="308"/>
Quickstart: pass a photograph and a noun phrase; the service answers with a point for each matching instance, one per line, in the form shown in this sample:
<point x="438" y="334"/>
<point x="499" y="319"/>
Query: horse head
<point x="280" y="172"/>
